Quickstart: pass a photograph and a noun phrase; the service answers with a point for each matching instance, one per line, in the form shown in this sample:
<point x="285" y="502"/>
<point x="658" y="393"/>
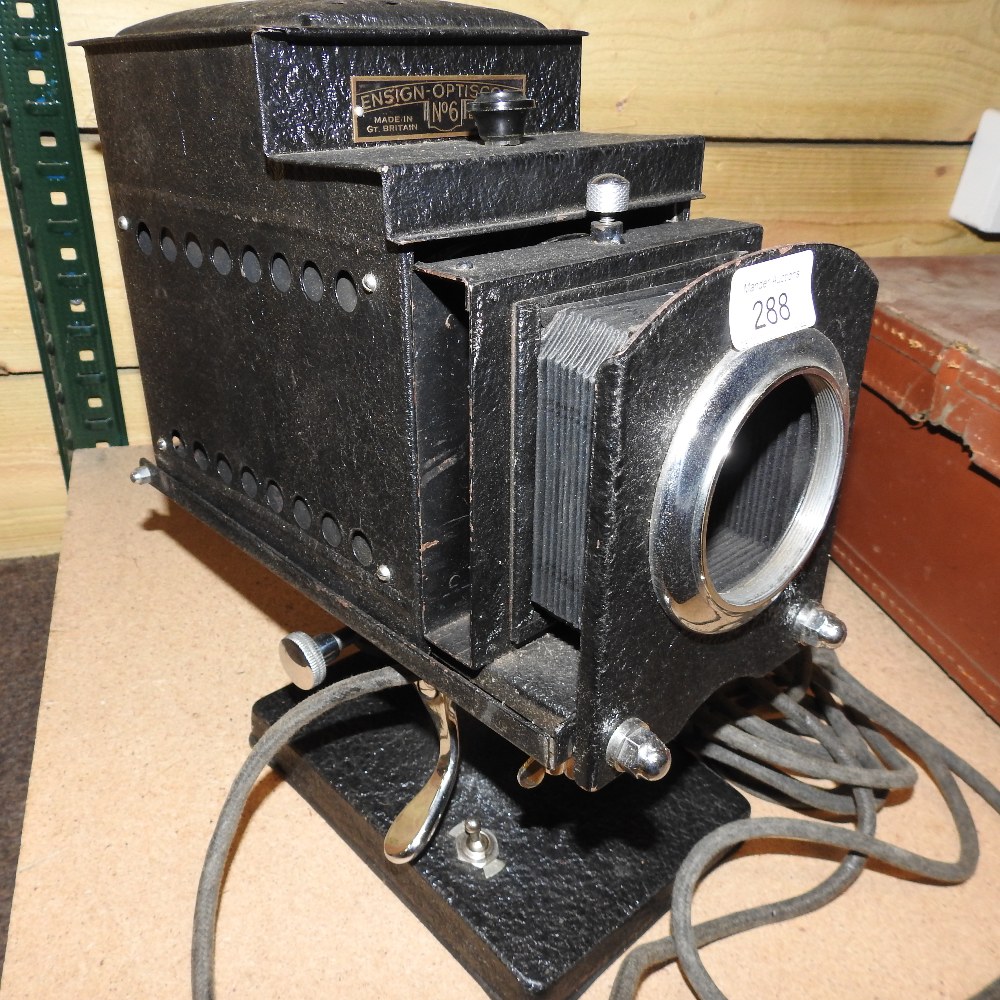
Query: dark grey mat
<point x="26" y="589"/>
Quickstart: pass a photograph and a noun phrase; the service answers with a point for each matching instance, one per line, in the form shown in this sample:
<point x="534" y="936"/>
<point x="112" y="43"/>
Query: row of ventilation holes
<point x="310" y="279"/>
<point x="274" y="497"/>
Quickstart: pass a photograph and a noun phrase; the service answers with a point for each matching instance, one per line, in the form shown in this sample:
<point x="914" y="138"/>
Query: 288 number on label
<point x="772" y="298"/>
<point x="768" y="311"/>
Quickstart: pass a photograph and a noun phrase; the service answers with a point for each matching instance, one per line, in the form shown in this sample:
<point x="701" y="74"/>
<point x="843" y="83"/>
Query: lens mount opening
<point x="773" y="491"/>
<point x="749" y="480"/>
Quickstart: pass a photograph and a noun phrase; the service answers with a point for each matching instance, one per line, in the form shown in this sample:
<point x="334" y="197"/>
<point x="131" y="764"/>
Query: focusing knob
<point x="305" y="657"/>
<point x="607" y="194"/>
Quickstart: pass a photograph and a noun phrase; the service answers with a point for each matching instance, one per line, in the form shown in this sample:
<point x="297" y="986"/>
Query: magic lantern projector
<point x="476" y="383"/>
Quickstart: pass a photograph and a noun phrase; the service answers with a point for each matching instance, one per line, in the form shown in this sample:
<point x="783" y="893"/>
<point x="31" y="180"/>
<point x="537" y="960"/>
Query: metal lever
<point x="412" y="829"/>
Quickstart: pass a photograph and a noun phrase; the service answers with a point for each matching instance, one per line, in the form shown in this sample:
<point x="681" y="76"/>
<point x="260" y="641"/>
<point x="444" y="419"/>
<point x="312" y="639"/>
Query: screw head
<point x="369" y="282"/>
<point x="123" y="223"/>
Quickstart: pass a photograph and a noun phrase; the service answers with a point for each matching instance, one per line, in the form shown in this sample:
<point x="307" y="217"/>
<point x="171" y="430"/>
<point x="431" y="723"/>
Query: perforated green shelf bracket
<point x="47" y="193"/>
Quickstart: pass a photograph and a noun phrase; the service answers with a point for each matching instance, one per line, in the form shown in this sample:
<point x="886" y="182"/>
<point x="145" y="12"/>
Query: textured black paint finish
<point x="302" y="393"/>
<point x="338" y="346"/>
<point x="502" y="377"/>
<point x="586" y="873"/>
<point x="237" y="21"/>
<point x="315" y="110"/>
<point x="635" y="659"/>
<point x="459" y="188"/>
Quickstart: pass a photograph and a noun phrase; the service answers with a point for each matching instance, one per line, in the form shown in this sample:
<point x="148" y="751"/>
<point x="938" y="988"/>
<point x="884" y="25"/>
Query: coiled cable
<point x="823" y="724"/>
<point x="819" y="722"/>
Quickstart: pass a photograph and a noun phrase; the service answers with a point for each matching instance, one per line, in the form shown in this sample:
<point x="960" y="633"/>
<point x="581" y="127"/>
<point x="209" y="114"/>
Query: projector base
<point x="584" y="874"/>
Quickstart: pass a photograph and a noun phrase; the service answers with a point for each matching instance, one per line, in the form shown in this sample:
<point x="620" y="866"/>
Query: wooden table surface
<point x="163" y="636"/>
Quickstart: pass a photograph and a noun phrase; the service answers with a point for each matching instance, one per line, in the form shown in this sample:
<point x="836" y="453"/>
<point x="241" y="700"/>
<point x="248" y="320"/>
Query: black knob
<point x="500" y="116"/>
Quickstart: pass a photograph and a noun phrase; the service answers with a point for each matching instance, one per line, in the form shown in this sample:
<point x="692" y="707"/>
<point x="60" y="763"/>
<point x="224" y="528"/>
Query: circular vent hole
<point x="222" y="259"/>
<point x="362" y="549"/>
<point x="331" y="530"/>
<point x="301" y="513"/>
<point x="249" y="483"/>
<point x="250" y="265"/>
<point x="275" y="498"/>
<point x="281" y="273"/>
<point x="168" y="245"/>
<point x="144" y="239"/>
<point x="312" y="281"/>
<point x="347" y="292"/>
<point x="193" y="251"/>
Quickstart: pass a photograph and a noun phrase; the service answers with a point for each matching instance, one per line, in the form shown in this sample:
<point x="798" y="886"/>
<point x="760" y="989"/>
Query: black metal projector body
<point x="569" y="477"/>
<point x="378" y="448"/>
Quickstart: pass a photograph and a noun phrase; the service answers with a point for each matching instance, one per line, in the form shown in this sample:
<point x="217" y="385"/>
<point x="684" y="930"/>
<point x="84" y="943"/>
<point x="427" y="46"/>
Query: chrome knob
<point x="306" y="657"/>
<point x="144" y="474"/>
<point x="635" y="748"/>
<point x="813" y="625"/>
<point x="608" y="194"/>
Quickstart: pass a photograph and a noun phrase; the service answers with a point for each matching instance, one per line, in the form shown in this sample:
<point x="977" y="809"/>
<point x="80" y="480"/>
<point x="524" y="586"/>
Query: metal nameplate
<point x="390" y="108"/>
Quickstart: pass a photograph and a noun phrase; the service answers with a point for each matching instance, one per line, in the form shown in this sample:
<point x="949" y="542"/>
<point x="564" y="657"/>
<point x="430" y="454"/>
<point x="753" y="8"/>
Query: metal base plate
<point x="585" y="873"/>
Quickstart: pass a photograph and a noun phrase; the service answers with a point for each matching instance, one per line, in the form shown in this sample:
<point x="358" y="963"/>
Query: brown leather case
<point x="919" y="519"/>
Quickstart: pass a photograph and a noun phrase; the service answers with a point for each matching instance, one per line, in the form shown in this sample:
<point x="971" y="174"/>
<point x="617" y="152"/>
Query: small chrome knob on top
<point x="608" y="196"/>
<point x="305" y="657"/>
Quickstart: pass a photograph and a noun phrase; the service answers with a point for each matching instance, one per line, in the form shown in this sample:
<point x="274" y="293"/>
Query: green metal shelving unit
<point x="47" y="194"/>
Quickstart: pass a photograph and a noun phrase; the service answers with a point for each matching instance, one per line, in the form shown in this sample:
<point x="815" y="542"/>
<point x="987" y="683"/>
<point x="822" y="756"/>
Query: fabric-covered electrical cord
<point x="821" y="725"/>
<point x="280" y="733"/>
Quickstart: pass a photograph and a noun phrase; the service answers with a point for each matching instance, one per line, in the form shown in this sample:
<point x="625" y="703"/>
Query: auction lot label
<point x="771" y="299"/>
<point x="419" y="107"/>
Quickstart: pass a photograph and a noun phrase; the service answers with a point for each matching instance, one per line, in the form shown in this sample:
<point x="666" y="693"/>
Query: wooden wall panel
<point x="32" y="491"/>
<point x="909" y="69"/>
<point x="879" y="200"/>
<point x="758" y="71"/>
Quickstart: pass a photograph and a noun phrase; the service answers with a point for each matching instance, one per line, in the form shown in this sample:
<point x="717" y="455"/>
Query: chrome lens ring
<point x="708" y="592"/>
